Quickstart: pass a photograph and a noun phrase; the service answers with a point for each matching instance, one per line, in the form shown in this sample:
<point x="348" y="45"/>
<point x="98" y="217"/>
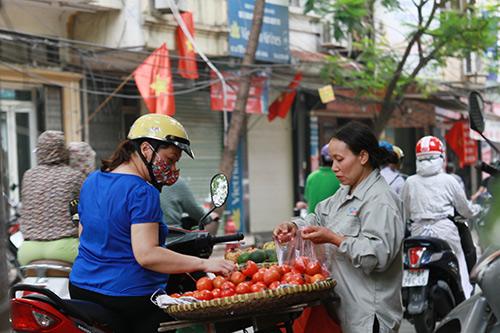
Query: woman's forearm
<point x="336" y="239"/>
<point x="166" y="261"/>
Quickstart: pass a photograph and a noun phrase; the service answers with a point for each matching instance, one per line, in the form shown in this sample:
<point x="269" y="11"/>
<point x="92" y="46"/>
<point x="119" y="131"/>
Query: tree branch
<point x="239" y="114"/>
<point x="387" y="104"/>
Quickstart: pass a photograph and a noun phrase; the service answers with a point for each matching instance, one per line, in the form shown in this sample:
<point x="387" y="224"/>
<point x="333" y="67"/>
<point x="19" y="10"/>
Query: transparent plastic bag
<point x="303" y="255"/>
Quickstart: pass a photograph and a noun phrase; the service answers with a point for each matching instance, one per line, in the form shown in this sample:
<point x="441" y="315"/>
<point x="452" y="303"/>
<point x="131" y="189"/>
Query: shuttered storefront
<point x="270" y="172"/>
<point x="205" y="130"/>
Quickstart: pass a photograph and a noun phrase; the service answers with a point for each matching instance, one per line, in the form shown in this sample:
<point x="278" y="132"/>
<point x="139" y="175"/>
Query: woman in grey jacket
<point x="362" y="228"/>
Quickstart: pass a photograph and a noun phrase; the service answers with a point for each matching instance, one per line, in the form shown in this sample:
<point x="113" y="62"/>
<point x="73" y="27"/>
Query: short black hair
<point x="360" y="137"/>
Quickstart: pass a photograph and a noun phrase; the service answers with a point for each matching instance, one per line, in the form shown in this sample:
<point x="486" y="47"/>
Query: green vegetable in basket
<point x="243" y="257"/>
<point x="271" y="255"/>
<point x="258" y="256"/>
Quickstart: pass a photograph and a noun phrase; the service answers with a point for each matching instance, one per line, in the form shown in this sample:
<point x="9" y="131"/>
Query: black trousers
<point x="376" y="325"/>
<point x="135" y="314"/>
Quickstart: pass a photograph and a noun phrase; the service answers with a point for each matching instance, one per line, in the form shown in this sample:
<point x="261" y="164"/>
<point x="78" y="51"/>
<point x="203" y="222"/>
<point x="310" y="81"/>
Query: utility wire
<point x="42" y="79"/>
<point x="97" y="48"/>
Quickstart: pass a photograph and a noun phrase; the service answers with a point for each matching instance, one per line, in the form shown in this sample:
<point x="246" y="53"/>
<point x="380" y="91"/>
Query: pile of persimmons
<point x="251" y="278"/>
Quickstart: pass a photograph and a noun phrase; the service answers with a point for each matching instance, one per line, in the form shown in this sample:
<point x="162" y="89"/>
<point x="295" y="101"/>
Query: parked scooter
<point x="41" y="310"/>
<point x="481" y="312"/>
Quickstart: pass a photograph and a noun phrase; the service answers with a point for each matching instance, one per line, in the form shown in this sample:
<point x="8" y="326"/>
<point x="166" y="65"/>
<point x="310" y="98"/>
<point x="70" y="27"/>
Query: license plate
<point x="415" y="277"/>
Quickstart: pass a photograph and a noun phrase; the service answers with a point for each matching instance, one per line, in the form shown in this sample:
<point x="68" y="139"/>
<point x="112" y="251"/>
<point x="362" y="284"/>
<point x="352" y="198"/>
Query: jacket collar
<point x="364" y="186"/>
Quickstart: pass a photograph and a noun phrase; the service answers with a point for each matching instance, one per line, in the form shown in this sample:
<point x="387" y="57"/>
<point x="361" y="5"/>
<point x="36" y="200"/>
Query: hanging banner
<point x="273" y="40"/>
<point x="258" y="96"/>
<point x="459" y="140"/>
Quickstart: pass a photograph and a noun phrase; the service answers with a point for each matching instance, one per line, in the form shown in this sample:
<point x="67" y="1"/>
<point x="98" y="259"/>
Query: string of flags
<point x="153" y="79"/>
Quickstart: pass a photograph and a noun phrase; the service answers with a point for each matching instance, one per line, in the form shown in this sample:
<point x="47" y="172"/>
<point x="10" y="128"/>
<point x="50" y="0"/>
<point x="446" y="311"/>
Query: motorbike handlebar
<point x="227" y="238"/>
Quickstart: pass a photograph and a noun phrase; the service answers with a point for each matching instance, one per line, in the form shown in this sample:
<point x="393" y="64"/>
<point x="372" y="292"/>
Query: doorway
<point x="18" y="135"/>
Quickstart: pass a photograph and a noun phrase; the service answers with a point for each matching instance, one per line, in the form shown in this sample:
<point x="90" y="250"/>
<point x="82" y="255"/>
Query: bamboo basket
<point x="251" y="303"/>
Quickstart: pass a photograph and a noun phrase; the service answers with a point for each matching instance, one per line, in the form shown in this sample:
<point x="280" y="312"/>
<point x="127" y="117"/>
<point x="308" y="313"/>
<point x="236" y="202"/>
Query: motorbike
<point x="481" y="312"/>
<point x="431" y="281"/>
<point x="431" y="277"/>
<point x="37" y="309"/>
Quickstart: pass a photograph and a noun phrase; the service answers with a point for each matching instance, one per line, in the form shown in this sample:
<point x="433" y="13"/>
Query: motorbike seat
<point x="88" y="312"/>
<point x="48" y="267"/>
<point x="98" y="314"/>
<point x="436" y="244"/>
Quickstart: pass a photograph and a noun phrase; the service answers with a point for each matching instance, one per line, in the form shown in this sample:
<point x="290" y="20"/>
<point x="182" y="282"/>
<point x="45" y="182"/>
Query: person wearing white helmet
<point x="122" y="259"/>
<point x="432" y="195"/>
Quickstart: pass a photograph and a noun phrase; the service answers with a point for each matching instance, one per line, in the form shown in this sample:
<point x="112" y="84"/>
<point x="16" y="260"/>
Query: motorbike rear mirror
<point x="219" y="190"/>
<point x="476" y="112"/>
<point x="219" y="186"/>
<point x="476" y="116"/>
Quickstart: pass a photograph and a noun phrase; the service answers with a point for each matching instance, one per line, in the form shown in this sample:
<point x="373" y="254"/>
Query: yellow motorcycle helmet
<point x="399" y="152"/>
<point x="162" y="128"/>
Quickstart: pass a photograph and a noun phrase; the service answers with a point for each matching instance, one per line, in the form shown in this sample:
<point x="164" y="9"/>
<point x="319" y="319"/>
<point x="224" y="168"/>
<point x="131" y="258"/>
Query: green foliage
<point x="368" y="74"/>
<point x="437" y="35"/>
<point x="347" y="15"/>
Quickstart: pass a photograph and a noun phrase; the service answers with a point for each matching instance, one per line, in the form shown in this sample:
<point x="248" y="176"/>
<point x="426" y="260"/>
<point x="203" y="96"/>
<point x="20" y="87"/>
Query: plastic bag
<point x="303" y="255"/>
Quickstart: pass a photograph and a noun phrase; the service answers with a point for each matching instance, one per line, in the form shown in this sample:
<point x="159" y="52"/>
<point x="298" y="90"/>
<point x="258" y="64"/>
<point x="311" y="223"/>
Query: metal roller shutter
<point x="205" y="130"/>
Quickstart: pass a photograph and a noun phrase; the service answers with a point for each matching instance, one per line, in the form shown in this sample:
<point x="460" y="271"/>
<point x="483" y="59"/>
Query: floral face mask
<point x="164" y="172"/>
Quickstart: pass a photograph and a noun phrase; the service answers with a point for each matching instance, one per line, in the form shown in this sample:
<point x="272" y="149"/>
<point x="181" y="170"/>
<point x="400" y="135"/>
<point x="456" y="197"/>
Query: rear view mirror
<point x="219" y="189"/>
<point x="476" y="109"/>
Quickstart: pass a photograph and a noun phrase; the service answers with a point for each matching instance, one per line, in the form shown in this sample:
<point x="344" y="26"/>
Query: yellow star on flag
<point x="160" y="85"/>
<point x="189" y="46"/>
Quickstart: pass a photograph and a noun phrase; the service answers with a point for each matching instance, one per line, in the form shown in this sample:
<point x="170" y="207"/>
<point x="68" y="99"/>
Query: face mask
<point x="164" y="173"/>
<point x="430" y="166"/>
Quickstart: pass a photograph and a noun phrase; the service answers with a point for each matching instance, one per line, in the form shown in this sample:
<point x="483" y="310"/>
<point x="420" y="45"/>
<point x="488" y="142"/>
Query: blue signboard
<point x="273" y="39"/>
<point x="235" y="204"/>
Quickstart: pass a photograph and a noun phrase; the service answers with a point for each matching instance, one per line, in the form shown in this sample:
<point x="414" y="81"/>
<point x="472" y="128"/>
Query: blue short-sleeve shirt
<point x="109" y="204"/>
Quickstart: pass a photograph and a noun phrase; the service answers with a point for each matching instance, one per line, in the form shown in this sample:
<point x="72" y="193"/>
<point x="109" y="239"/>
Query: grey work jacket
<point x="368" y="263"/>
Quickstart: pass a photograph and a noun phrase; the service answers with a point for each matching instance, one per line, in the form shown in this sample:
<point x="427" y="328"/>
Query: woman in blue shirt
<point x="122" y="259"/>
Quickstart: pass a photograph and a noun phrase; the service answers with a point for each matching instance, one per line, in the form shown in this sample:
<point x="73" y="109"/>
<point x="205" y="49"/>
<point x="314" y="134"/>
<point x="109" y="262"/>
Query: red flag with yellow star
<point x="153" y="78"/>
<point x="188" y="68"/>
<point x="282" y="104"/>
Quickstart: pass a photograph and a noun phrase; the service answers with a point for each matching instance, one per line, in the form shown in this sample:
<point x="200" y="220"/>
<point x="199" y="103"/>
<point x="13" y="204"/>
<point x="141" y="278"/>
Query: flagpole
<point x="110" y="96"/>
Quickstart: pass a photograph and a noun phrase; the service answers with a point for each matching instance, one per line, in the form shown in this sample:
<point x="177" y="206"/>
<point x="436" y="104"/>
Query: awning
<point x="445" y="101"/>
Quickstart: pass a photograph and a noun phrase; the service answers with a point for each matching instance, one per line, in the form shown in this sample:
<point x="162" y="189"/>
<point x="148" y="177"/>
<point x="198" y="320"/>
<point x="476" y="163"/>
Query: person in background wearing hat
<point x="431" y="195"/>
<point x="81" y="157"/>
<point x="322" y="183"/>
<point x="390" y="169"/>
<point x="122" y="259"/>
<point x="46" y="191"/>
